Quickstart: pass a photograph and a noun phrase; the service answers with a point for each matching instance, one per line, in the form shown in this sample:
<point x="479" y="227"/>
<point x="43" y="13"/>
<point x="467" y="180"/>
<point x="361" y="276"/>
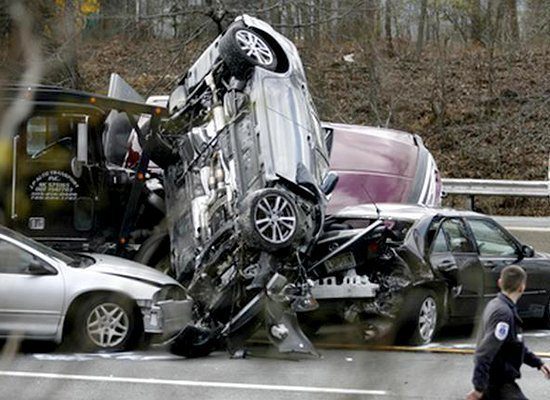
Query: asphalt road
<point x="349" y="371"/>
<point x="349" y="366"/>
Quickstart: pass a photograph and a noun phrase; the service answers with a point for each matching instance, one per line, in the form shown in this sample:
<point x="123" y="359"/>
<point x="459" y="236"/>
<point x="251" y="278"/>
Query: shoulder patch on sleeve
<point x="501" y="330"/>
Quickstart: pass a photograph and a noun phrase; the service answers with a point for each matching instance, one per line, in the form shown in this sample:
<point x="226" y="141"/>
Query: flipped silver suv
<point x="246" y="165"/>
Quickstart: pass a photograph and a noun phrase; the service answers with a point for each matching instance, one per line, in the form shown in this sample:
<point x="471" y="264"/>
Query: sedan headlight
<point x="170" y="292"/>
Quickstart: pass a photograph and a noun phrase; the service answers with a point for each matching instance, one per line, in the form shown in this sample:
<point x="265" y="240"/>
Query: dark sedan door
<point x="455" y="257"/>
<point x="498" y="249"/>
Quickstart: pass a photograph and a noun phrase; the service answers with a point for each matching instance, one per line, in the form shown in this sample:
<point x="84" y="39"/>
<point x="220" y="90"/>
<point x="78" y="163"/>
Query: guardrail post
<point x="472" y="202"/>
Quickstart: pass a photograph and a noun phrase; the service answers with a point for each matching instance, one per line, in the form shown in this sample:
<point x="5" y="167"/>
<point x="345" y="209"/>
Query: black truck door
<point x="51" y="201"/>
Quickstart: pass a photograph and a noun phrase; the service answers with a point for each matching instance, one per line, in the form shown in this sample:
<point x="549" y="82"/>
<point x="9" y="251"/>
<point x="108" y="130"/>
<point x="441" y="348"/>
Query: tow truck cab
<point x="62" y="180"/>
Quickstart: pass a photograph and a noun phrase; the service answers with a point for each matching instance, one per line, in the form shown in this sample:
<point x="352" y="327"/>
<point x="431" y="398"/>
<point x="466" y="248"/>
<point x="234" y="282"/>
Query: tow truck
<point x="65" y="178"/>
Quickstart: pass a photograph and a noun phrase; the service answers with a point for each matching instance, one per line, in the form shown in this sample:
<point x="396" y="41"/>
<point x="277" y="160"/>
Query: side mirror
<point x="527" y="251"/>
<point x="329" y="138"/>
<point x="37" y="267"/>
<point x="82" y="143"/>
<point x="81" y="158"/>
<point x="329" y="183"/>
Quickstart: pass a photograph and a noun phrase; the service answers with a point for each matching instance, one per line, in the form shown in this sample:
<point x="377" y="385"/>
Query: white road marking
<point x="528" y="228"/>
<point x="538" y="334"/>
<point x="463" y="346"/>
<point x="104" y="356"/>
<point x="170" y="382"/>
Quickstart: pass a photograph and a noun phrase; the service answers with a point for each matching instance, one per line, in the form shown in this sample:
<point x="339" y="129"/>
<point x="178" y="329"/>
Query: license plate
<point x="340" y="262"/>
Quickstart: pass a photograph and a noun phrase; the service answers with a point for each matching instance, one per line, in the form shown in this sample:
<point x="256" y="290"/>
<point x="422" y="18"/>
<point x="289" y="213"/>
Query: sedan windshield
<point x="37" y="245"/>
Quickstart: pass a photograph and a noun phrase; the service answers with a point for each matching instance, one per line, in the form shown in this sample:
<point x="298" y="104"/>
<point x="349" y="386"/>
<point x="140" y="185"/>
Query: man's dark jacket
<point x="500" y="349"/>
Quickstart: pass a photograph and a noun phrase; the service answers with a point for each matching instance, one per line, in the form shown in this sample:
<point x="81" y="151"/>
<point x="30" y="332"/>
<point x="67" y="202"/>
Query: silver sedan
<point x="97" y="302"/>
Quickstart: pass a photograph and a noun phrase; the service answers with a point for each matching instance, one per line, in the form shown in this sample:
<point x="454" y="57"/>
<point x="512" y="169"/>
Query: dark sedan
<point x="428" y="267"/>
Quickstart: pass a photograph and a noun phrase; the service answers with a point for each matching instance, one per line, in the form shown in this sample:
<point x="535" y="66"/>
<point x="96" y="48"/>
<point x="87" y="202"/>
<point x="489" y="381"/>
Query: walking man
<point x="500" y="350"/>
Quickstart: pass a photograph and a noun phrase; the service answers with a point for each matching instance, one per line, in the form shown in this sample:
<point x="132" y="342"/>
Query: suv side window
<point x="458" y="236"/>
<point x="491" y="240"/>
<point x="14" y="259"/>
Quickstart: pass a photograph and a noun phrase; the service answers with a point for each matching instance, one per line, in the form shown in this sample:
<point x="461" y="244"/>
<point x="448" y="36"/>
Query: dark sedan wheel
<point x="242" y="49"/>
<point x="419" y="318"/>
<point x="105" y="323"/>
<point x="427" y="321"/>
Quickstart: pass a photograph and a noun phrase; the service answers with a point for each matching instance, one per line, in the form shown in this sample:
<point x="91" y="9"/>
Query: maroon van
<point x="381" y="165"/>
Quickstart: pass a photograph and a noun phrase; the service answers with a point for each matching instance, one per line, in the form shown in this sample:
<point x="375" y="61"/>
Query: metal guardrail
<point x="489" y="187"/>
<point x="497" y="187"/>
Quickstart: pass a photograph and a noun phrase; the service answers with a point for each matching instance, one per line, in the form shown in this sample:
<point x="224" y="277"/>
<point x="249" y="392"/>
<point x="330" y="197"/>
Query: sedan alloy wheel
<point x="108" y="325"/>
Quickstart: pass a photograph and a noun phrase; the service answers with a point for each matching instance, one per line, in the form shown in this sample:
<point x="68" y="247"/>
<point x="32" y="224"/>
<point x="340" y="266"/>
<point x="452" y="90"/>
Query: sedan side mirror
<point x="527" y="251"/>
<point x="37" y="267"/>
<point x="329" y="183"/>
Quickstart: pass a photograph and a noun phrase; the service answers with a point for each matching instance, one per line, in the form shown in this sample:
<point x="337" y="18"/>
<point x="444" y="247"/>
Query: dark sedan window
<point x="14" y="259"/>
<point x="440" y="244"/>
<point x="491" y="240"/>
<point x="458" y="236"/>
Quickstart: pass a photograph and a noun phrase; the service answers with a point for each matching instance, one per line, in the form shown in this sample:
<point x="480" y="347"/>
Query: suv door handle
<point x="489" y="264"/>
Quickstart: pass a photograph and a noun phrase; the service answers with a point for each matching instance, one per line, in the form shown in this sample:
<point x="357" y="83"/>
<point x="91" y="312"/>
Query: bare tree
<point x="388" y="28"/>
<point x="513" y="19"/>
<point x="70" y="37"/>
<point x="421" y="26"/>
<point x="477" y="21"/>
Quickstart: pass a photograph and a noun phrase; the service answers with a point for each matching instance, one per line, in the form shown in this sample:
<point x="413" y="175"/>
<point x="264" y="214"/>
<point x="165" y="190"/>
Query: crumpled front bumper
<point x="167" y="318"/>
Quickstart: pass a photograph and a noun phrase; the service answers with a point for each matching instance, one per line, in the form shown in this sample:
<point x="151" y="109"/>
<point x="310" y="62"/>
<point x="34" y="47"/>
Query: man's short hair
<point x="512" y="277"/>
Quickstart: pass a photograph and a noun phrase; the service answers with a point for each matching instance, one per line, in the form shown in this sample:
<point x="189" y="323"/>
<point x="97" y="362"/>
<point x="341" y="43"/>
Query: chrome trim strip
<point x="29" y="312"/>
<point x="14" y="177"/>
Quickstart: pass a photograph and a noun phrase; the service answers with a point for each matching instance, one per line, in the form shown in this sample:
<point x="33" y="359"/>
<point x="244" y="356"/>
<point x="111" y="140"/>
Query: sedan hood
<point x="129" y="269"/>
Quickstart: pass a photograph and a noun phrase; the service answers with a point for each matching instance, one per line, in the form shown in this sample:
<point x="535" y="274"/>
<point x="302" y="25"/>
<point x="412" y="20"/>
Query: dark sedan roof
<point x="410" y="212"/>
<point x="53" y="95"/>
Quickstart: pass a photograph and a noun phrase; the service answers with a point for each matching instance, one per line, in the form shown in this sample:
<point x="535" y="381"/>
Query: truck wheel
<point x="242" y="49"/>
<point x="309" y="324"/>
<point x="164" y="265"/>
<point x="106" y="323"/>
<point x="192" y="342"/>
